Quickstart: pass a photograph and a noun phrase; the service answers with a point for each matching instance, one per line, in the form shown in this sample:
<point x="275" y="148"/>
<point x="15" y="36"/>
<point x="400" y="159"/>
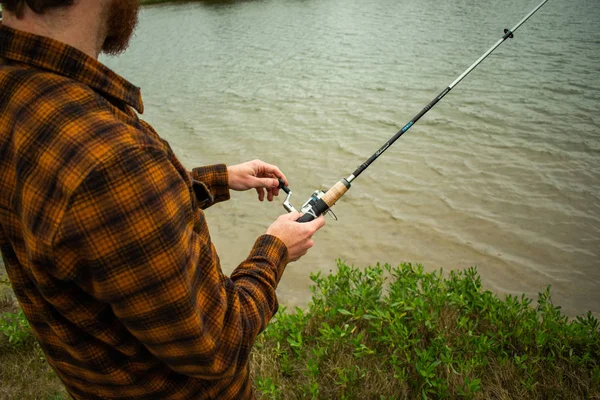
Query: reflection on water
<point x="504" y="173"/>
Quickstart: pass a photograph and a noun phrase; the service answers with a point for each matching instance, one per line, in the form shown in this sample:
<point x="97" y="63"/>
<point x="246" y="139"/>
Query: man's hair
<point x="39" y="6"/>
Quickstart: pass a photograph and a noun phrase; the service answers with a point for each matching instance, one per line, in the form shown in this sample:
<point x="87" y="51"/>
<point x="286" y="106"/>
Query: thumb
<point x="293" y="216"/>
<point x="267" y="183"/>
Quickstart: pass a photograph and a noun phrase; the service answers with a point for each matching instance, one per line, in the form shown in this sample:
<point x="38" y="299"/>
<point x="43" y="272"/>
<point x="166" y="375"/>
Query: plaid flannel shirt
<point x="105" y="239"/>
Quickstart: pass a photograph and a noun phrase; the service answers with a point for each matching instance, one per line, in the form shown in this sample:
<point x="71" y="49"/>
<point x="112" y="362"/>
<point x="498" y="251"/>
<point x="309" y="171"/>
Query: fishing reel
<point x="310" y="208"/>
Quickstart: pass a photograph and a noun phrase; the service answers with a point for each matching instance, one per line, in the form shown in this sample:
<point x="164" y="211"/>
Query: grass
<point x="24" y="372"/>
<point x="392" y="333"/>
<point x="389" y="333"/>
<point x="24" y="375"/>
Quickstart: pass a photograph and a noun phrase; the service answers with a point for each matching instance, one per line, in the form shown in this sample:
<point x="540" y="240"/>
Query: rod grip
<point x="336" y="192"/>
<point x="306" y="218"/>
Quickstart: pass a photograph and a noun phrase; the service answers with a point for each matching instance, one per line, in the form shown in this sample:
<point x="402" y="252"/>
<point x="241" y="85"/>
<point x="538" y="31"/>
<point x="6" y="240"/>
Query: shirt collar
<point x="52" y="55"/>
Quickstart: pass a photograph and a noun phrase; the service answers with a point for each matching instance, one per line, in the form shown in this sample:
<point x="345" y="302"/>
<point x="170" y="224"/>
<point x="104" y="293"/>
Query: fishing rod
<point x="321" y="201"/>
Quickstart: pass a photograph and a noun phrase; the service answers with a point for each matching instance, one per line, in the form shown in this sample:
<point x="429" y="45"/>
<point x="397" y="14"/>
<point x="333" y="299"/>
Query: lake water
<point x="503" y="174"/>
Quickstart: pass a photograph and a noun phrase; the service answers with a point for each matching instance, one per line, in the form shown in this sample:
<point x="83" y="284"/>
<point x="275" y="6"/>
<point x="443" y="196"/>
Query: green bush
<point x="389" y="333"/>
<point x="392" y="333"/>
<point x="15" y="328"/>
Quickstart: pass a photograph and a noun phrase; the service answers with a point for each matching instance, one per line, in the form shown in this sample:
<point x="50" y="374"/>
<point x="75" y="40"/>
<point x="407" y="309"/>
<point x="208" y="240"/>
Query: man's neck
<point x="73" y="27"/>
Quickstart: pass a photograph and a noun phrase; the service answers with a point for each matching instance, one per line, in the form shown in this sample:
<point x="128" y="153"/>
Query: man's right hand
<point x="296" y="236"/>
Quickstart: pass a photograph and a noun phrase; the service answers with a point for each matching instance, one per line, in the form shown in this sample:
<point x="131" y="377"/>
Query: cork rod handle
<point x="335" y="193"/>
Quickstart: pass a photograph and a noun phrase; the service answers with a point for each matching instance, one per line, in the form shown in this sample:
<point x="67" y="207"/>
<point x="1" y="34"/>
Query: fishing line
<point x="321" y="201"/>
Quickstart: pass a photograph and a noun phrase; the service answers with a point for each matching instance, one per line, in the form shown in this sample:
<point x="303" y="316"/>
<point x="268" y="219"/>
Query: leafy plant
<point x="399" y="332"/>
<point x="16" y="328"/>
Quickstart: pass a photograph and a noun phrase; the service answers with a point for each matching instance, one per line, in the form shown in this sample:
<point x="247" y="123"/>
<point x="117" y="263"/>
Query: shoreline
<point x="395" y="332"/>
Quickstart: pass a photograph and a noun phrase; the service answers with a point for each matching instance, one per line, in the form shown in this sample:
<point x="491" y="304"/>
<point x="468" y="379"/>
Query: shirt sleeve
<point x="211" y="184"/>
<point x="132" y="238"/>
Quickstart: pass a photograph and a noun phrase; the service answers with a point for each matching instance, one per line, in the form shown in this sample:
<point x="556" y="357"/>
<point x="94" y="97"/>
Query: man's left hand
<point x="256" y="175"/>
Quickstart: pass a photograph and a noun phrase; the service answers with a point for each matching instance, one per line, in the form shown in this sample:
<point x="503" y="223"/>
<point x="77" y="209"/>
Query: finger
<point x="267" y="183"/>
<point x="270" y="194"/>
<point x="284" y="179"/>
<point x="273" y="169"/>
<point x="302" y="254"/>
<point x="317" y="223"/>
<point x="261" y="194"/>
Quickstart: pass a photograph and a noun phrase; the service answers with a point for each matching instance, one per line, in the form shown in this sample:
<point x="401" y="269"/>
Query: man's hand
<point x="296" y="236"/>
<point x="256" y="175"/>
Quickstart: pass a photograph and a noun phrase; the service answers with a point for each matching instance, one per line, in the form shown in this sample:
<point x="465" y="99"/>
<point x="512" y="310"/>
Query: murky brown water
<point x="503" y="174"/>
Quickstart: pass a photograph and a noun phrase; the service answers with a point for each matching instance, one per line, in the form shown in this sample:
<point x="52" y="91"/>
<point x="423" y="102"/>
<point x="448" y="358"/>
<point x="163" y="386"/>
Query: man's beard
<point x="121" y="18"/>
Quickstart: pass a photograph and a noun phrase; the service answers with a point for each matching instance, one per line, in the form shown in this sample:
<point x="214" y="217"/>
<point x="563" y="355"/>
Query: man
<point x="103" y="231"/>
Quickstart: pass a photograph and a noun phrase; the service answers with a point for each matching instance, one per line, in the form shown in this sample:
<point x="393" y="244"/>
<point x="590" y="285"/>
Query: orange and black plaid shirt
<point x="105" y="239"/>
